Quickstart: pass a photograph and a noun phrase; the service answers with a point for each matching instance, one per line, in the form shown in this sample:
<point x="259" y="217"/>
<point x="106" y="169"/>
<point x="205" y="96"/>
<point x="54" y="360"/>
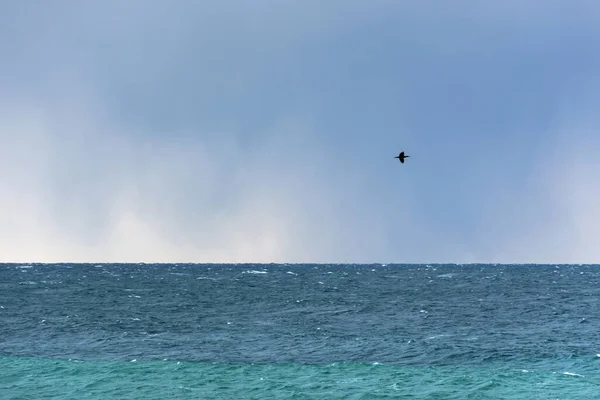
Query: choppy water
<point x="299" y="331"/>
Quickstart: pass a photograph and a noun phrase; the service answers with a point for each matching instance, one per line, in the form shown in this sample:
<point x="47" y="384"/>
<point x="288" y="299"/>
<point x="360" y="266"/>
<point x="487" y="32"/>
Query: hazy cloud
<point x="265" y="131"/>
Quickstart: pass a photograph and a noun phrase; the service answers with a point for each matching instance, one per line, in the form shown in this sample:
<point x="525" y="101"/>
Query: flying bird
<point x="401" y="157"/>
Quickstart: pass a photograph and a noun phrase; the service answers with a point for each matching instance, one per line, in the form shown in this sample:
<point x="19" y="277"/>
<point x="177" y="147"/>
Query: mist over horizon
<point x="227" y="133"/>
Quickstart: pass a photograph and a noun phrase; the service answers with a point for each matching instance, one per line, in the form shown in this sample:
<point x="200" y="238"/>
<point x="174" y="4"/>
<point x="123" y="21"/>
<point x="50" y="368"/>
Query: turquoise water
<point x="46" y="378"/>
<point x="299" y="331"/>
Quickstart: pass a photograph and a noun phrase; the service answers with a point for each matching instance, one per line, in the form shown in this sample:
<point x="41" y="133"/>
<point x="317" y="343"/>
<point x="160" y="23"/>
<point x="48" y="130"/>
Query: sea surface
<point x="292" y="331"/>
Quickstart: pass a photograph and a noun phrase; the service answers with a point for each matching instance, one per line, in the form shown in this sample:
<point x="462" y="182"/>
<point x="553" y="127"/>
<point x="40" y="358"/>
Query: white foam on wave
<point x="291" y="273"/>
<point x="438" y="336"/>
<point x="572" y="374"/>
<point x="25" y="266"/>
<point x="254" y="272"/>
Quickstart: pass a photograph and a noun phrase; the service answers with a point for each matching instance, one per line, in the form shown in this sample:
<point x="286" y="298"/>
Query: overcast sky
<point x="265" y="131"/>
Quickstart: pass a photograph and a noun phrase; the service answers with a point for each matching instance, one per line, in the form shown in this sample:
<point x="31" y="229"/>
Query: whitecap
<point x="254" y="272"/>
<point x="438" y="336"/>
<point x="572" y="374"/>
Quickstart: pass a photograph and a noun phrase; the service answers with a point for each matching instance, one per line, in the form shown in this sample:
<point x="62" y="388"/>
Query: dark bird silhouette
<point x="401" y="157"/>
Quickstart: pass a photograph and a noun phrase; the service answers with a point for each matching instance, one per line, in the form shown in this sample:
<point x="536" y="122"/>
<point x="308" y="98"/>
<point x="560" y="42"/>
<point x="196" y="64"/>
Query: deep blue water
<point x="299" y="331"/>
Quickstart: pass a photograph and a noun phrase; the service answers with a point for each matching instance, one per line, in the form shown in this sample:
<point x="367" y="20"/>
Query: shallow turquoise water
<point x="24" y="377"/>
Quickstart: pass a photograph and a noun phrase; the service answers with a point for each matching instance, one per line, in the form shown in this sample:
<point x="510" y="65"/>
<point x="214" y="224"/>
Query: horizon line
<point x="288" y="263"/>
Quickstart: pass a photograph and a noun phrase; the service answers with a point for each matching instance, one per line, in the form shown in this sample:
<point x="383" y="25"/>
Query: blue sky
<point x="264" y="131"/>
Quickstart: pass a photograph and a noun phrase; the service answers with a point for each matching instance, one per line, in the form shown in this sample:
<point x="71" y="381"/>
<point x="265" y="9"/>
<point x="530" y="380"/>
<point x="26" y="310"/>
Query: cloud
<point x="91" y="173"/>
<point x="79" y="188"/>
<point x="570" y="230"/>
<point x="554" y="216"/>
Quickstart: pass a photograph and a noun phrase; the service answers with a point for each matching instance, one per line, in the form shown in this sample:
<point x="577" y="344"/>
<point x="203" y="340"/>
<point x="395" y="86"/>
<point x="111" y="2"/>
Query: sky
<point x="265" y="131"/>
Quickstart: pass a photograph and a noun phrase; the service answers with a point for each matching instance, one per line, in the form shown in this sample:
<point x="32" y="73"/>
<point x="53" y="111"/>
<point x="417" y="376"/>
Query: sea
<point x="299" y="331"/>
